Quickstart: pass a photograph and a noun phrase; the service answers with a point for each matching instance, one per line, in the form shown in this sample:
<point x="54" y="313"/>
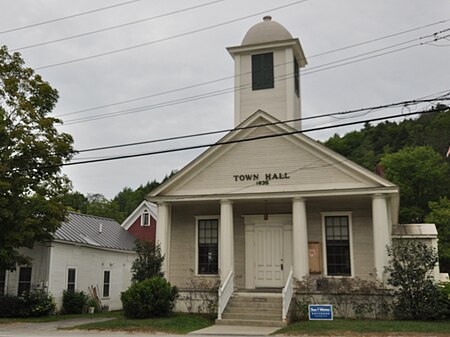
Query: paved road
<point x="51" y="330"/>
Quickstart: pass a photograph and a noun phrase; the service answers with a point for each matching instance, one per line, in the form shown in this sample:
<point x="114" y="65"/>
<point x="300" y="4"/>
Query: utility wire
<point x="169" y="37"/>
<point x="116" y="26"/>
<point x="307" y="72"/>
<point x="242" y="140"/>
<point x="233" y="76"/>
<point x="380" y="38"/>
<point x="243" y="87"/>
<point x="67" y="17"/>
<point x="341" y="113"/>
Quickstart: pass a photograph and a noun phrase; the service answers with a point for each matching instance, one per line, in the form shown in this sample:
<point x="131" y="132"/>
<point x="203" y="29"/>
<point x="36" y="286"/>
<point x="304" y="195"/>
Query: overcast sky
<point x="186" y="48"/>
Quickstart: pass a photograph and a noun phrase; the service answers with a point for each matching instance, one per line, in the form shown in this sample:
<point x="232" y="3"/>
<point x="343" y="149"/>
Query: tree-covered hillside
<point x="118" y="208"/>
<point x="367" y="146"/>
<point x="413" y="154"/>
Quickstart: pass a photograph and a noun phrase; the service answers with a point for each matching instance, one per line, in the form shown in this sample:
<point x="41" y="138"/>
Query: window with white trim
<point x="145" y="218"/>
<point x="24" y="280"/>
<point x="71" y="279"/>
<point x="2" y="281"/>
<point x="106" y="282"/>
<point x="208" y="246"/>
<point x="337" y="245"/>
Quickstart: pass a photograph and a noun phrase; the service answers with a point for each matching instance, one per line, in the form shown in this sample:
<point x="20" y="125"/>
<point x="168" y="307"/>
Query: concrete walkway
<point x="229" y="330"/>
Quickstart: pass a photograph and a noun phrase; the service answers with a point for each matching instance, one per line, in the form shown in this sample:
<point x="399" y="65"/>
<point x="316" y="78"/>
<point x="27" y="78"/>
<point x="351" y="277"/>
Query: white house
<point x="86" y="251"/>
<point x="271" y="204"/>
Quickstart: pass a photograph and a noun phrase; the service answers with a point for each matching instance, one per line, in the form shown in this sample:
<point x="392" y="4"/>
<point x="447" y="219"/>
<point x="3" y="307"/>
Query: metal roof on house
<point x="417" y="230"/>
<point x="94" y="231"/>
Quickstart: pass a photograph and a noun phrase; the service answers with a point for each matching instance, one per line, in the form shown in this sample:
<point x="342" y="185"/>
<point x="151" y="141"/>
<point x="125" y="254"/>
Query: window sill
<point x="207" y="275"/>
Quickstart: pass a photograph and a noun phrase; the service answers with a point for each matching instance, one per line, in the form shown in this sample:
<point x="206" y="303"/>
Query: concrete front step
<point x="243" y="297"/>
<point x="252" y="310"/>
<point x="256" y="316"/>
<point x="254" y="305"/>
<point x="248" y="322"/>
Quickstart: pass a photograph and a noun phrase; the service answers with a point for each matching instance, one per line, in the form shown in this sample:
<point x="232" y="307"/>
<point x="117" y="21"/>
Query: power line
<point x="67" y="17"/>
<point x="240" y="140"/>
<point x="116" y="26"/>
<point x="233" y="76"/>
<point x="169" y="37"/>
<point x="380" y="38"/>
<point x="372" y="109"/>
<point x="242" y="87"/>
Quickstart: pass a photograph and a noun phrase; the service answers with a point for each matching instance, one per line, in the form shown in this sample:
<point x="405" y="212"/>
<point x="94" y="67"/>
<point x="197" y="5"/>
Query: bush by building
<point x="35" y="303"/>
<point x="74" y="301"/>
<point x="153" y="297"/>
<point x="410" y="269"/>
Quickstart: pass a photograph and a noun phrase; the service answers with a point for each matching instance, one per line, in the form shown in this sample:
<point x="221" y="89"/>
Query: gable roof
<point x="145" y="205"/>
<point x="94" y="231"/>
<point x="274" y="129"/>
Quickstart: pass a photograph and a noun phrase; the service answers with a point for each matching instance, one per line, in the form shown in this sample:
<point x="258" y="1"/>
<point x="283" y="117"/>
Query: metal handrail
<point x="287" y="293"/>
<point x="225" y="292"/>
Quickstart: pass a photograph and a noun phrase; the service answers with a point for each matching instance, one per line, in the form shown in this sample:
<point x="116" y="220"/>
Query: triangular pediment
<point x="269" y="163"/>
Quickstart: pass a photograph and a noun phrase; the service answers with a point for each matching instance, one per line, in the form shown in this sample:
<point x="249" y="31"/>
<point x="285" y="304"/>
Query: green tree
<point x="75" y="201"/>
<point x="440" y="216"/>
<point x="100" y="206"/>
<point x="410" y="271"/>
<point x="31" y="152"/>
<point x="368" y="145"/>
<point x="149" y="261"/>
<point x="422" y="175"/>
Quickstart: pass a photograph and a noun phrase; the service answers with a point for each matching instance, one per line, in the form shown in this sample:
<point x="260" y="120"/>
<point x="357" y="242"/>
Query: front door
<point x="269" y="256"/>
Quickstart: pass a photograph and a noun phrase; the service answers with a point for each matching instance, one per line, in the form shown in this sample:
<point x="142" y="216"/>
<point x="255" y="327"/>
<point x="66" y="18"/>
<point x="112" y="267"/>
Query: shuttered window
<point x="262" y="71"/>
<point x="296" y="78"/>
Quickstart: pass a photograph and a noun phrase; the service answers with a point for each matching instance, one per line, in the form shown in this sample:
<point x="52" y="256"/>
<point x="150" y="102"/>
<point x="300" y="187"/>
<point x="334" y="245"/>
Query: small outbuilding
<point x="85" y="251"/>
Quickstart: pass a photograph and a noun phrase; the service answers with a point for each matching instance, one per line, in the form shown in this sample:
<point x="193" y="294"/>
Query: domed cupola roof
<point x="266" y="31"/>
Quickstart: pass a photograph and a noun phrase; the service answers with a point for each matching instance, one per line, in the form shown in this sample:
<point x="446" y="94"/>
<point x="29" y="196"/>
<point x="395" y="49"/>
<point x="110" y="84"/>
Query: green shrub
<point x="35" y="303"/>
<point x="12" y="306"/>
<point x="411" y="273"/>
<point x="150" y="298"/>
<point x="149" y="261"/>
<point x="39" y="303"/>
<point x="444" y="290"/>
<point x="74" y="302"/>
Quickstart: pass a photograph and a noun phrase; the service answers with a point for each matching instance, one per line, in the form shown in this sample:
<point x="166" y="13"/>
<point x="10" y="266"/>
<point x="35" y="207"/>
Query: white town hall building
<point x="272" y="200"/>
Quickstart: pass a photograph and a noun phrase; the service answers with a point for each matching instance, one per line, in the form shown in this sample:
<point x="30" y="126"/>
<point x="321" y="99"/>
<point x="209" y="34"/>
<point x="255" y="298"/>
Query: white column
<point x="226" y="239"/>
<point x="162" y="233"/>
<point x="299" y="239"/>
<point x="381" y="234"/>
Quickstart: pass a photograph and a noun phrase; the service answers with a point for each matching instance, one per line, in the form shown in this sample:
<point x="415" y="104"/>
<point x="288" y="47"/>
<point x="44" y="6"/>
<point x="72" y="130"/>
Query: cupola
<point x="267" y="75"/>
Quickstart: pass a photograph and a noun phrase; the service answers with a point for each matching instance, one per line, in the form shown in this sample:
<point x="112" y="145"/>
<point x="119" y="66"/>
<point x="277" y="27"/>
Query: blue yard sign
<point x="320" y="312"/>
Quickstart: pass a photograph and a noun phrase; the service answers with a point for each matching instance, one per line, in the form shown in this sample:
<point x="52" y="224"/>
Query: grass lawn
<point x="177" y="323"/>
<point x="59" y="317"/>
<point x="340" y="326"/>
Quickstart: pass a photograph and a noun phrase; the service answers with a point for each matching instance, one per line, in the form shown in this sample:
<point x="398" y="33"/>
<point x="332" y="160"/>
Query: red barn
<point x="142" y="222"/>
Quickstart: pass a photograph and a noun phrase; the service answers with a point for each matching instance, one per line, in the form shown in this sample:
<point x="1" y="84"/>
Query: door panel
<point x="269" y="255"/>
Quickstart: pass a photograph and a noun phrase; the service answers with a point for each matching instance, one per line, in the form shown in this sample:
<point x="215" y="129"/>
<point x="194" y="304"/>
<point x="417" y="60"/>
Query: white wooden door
<point x="269" y="257"/>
